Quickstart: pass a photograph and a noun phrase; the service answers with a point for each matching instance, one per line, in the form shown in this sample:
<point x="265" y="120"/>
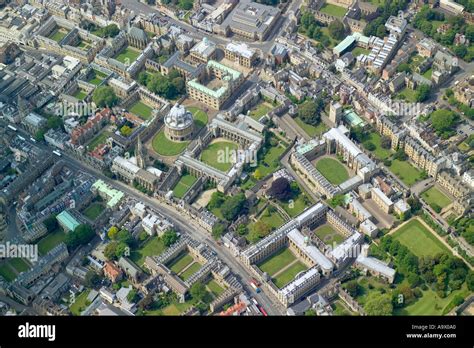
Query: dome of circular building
<point x="179" y="117"/>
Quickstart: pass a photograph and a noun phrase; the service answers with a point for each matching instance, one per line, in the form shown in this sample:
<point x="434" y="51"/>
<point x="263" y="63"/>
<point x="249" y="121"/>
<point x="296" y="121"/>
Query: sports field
<point x="328" y="235"/>
<point x="333" y="10"/>
<point x="165" y="147"/>
<point x="333" y="170"/>
<point x="180" y="263"/>
<point x="183" y="185"/>
<point x="220" y="154"/>
<point x="277" y="261"/>
<point x="141" y="110"/>
<point x="128" y="55"/>
<point x="434" y="196"/>
<point x="419" y="240"/>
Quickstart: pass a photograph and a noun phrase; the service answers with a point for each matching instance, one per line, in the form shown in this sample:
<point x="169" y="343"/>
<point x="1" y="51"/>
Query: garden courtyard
<point x="282" y="267"/>
<point x="332" y="169"/>
<point x="220" y="154"/>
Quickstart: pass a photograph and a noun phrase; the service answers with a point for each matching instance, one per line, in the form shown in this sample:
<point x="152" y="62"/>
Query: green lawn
<point x="165" y="147"/>
<point x="328" y="235"/>
<point x="98" y="140"/>
<point x="19" y="264"/>
<point x="153" y="247"/>
<point x="141" y="110"/>
<point x="298" y="204"/>
<point x="269" y="163"/>
<point x="182" y="186"/>
<point x="7" y="272"/>
<point x="434" y="196"/>
<point x="260" y="110"/>
<point x="50" y="241"/>
<point x="333" y="10"/>
<point x="427" y="74"/>
<point x="419" y="240"/>
<point x="58" y="35"/>
<point x="215" y="288"/>
<point x="407" y="94"/>
<point x="93" y="211"/>
<point x="333" y="170"/>
<point x="200" y="117"/>
<point x="98" y="78"/>
<point x="289" y="274"/>
<point x="220" y="155"/>
<point x="277" y="261"/>
<point x="340" y="309"/>
<point x="431" y="304"/>
<point x="405" y="172"/>
<point x="80" y="94"/>
<point x="357" y="51"/>
<point x="273" y="220"/>
<point x="180" y="262"/>
<point x="379" y="151"/>
<point x="80" y="304"/>
<point x="311" y="130"/>
<point x="190" y="271"/>
<point x="128" y="55"/>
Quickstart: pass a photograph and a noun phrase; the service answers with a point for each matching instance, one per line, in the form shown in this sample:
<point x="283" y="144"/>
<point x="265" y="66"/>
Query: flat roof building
<point x="68" y="222"/>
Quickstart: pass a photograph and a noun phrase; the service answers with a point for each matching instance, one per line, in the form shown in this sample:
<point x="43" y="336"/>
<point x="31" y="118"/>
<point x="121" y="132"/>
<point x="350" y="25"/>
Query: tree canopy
<point x="378" y="304"/>
<point x="310" y="111"/>
<point x="104" y="96"/>
<point x="280" y="189"/>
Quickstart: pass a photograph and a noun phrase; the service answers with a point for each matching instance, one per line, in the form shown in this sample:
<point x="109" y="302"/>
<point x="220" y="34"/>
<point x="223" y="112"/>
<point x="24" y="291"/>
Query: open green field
<point x="297" y="205"/>
<point x="434" y="196"/>
<point x="273" y="220"/>
<point x="431" y="304"/>
<point x="260" y="110"/>
<point x="215" y="288"/>
<point x="19" y="264"/>
<point x="333" y="10"/>
<point x="333" y="170"/>
<point x="165" y="147"/>
<point x="7" y="272"/>
<point x="289" y="274"/>
<point x="153" y="247"/>
<point x="200" y="117"/>
<point x="379" y="151"/>
<point x="357" y="51"/>
<point x="269" y="163"/>
<point x="93" y="211"/>
<point x="220" y="155"/>
<point x="405" y="172"/>
<point x="180" y="262"/>
<point x="419" y="240"/>
<point x="311" y="130"/>
<point x="328" y="235"/>
<point x="98" y="140"/>
<point x="277" y="261"/>
<point x="407" y="94"/>
<point x="190" y="271"/>
<point x="141" y="110"/>
<point x="58" y="34"/>
<point x="128" y="55"/>
<point x="80" y="94"/>
<point x="50" y="241"/>
<point x="80" y="304"/>
<point x="182" y="186"/>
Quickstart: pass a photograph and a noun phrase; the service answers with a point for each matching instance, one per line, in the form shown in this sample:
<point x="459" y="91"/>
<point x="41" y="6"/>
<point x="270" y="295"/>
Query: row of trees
<point x="312" y="29"/>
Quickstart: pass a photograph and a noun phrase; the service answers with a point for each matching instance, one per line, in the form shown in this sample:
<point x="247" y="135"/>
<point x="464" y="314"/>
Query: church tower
<point x="140" y="154"/>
